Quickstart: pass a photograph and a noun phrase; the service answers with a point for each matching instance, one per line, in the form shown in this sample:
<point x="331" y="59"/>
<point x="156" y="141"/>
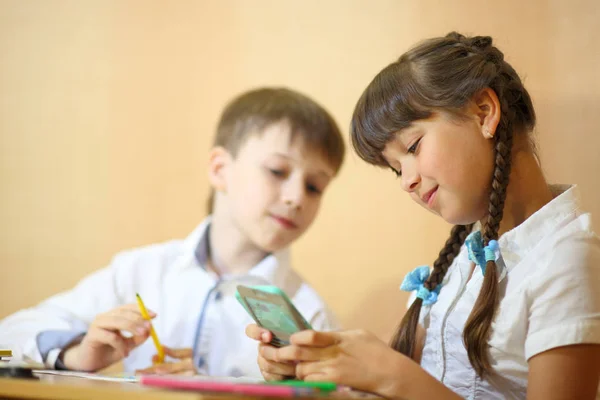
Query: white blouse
<point x="550" y="297"/>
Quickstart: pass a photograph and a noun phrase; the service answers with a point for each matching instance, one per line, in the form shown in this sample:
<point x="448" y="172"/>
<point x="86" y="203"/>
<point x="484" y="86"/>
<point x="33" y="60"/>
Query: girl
<point x="511" y="307"/>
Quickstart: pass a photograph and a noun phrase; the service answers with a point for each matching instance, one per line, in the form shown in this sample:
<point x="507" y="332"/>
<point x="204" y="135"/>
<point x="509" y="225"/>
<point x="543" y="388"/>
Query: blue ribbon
<point x="415" y="280"/>
<point x="479" y="254"/>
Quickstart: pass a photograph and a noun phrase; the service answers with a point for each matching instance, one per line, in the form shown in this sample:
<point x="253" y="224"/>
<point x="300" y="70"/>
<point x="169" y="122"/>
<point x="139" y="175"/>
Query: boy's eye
<point x="412" y="149"/>
<point x="313" y="189"/>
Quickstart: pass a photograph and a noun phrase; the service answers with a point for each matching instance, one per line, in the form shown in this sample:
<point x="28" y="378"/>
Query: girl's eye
<point x="277" y="172"/>
<point x="398" y="173"/>
<point x="412" y="149"/>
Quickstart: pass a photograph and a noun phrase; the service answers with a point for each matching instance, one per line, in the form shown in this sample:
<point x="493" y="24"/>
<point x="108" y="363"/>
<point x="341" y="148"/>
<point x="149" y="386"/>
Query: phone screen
<point x="272" y="316"/>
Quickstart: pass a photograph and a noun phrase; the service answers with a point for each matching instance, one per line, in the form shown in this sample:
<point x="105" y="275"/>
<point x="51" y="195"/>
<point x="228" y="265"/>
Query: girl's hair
<point x="442" y="75"/>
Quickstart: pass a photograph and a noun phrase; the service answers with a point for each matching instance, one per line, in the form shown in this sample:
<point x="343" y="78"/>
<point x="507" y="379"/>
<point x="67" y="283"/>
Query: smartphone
<point x="271" y="309"/>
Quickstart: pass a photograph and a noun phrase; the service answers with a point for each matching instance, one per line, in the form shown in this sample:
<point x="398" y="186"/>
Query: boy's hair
<point x="443" y="74"/>
<point x="252" y="112"/>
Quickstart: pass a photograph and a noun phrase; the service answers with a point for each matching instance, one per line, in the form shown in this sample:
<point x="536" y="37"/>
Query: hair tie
<point x="479" y="254"/>
<point x="415" y="280"/>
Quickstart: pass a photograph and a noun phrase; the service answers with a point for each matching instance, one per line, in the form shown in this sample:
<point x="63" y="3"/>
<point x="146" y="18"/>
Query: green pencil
<point x="322" y="386"/>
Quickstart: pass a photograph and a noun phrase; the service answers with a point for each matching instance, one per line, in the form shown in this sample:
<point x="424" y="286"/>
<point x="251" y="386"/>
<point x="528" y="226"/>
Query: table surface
<point x="67" y="388"/>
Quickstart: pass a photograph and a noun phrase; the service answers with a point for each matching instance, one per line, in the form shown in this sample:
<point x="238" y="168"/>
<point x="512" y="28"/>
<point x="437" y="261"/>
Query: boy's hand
<point x="271" y="369"/>
<point x="103" y="344"/>
<point x="185" y="365"/>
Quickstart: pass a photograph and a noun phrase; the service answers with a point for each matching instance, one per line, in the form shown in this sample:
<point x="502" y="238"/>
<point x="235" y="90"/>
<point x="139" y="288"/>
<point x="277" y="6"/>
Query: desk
<point x="69" y="388"/>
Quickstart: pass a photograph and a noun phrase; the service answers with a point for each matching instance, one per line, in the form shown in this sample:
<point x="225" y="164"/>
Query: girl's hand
<point x="353" y="358"/>
<point x="270" y="368"/>
<point x="185" y="365"/>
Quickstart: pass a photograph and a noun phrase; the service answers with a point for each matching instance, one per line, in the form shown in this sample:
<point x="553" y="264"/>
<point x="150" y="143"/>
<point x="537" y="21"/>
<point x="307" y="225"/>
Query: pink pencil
<point x="250" y="389"/>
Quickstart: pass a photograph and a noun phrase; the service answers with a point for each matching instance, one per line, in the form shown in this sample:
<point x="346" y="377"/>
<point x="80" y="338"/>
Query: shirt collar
<point x="523" y="238"/>
<point x="272" y="268"/>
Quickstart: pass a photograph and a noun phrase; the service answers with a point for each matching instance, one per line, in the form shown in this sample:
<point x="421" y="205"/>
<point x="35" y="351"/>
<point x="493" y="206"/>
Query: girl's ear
<point x="219" y="161"/>
<point x="488" y="111"/>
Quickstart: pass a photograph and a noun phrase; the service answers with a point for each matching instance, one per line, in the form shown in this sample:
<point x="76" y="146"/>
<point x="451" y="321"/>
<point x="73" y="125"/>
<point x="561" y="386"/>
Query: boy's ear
<point x="218" y="161"/>
<point x="488" y="111"/>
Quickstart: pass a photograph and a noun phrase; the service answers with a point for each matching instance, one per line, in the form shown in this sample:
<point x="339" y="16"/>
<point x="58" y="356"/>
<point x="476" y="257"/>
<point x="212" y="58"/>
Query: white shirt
<point x="172" y="280"/>
<point x="550" y="297"/>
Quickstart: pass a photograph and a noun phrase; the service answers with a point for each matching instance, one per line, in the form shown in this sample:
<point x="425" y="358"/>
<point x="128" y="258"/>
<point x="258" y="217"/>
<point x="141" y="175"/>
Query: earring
<point x="487" y="134"/>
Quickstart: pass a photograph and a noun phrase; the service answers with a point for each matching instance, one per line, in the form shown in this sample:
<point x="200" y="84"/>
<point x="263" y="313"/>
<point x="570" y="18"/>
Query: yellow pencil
<point x="159" y="348"/>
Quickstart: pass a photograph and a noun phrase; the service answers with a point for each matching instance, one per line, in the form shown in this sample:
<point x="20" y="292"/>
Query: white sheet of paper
<point x="88" y="375"/>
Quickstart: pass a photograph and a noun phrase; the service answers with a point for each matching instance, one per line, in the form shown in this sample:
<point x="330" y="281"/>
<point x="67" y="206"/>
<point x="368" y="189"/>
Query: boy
<point x="275" y="153"/>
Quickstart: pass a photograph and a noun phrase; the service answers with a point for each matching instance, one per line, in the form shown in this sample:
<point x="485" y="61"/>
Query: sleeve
<point x="38" y="333"/>
<point x="564" y="298"/>
<point x="314" y="309"/>
<point x="50" y="344"/>
<point x="324" y="320"/>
